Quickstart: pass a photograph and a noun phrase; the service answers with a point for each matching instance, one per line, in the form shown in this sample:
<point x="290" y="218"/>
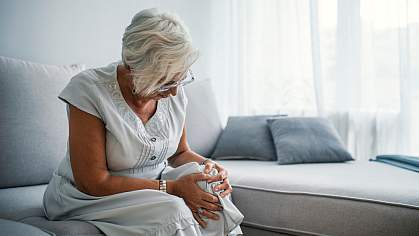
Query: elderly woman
<point x="128" y="168"/>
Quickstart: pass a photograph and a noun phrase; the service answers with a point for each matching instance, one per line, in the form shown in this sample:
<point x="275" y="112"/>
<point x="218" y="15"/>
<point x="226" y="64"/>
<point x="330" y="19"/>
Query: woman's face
<point x="171" y="92"/>
<point x="158" y="95"/>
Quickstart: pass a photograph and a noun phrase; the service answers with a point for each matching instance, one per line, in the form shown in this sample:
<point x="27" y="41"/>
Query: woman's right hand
<point x="195" y="198"/>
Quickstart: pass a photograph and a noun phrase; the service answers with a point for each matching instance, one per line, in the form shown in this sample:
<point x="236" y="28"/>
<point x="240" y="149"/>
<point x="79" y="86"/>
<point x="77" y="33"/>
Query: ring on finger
<point x="200" y="211"/>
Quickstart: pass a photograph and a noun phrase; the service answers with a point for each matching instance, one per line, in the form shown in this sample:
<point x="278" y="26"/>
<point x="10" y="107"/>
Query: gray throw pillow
<point x="246" y="137"/>
<point x="307" y="140"/>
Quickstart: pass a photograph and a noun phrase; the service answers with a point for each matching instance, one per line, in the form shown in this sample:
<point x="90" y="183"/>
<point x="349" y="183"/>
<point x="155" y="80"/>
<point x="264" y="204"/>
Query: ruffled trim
<point x="181" y="223"/>
<point x="128" y="115"/>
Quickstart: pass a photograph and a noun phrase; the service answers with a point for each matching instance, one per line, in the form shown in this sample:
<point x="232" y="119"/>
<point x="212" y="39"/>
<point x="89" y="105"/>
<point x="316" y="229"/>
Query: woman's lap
<point x="131" y="213"/>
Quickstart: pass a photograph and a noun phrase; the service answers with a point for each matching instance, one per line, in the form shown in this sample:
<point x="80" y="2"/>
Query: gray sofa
<point x="353" y="198"/>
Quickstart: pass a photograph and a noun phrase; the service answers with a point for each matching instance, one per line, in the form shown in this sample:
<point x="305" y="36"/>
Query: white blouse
<point x="132" y="148"/>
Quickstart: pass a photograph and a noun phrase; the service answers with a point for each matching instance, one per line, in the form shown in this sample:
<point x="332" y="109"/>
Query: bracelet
<point x="163" y="186"/>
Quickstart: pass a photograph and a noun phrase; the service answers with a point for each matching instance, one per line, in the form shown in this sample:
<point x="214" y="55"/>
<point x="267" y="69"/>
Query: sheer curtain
<point x="354" y="62"/>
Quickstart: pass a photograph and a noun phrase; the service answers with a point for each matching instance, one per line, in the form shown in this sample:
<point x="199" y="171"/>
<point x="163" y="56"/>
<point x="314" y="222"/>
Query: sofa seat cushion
<point x="24" y="204"/>
<point x="14" y="228"/>
<point x="64" y="228"/>
<point x="353" y="198"/>
<point x="21" y="202"/>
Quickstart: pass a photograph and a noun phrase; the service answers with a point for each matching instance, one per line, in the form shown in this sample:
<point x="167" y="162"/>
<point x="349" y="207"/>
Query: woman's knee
<point x="196" y="168"/>
<point x="203" y="184"/>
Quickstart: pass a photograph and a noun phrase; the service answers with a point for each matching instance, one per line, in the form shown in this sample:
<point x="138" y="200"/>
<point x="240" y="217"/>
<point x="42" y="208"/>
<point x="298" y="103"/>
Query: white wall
<point x="88" y="32"/>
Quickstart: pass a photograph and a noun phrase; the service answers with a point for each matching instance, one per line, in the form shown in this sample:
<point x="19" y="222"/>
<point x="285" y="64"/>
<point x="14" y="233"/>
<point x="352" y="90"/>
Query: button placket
<point x="157" y="146"/>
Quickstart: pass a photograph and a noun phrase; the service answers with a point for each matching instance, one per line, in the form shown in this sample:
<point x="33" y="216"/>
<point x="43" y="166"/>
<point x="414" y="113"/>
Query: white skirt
<point x="140" y="212"/>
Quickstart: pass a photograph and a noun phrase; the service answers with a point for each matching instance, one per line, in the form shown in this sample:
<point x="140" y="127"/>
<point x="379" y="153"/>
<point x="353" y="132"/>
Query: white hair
<point x="156" y="46"/>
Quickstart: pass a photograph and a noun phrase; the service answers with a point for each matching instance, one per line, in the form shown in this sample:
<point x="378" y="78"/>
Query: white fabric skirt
<point x="140" y="212"/>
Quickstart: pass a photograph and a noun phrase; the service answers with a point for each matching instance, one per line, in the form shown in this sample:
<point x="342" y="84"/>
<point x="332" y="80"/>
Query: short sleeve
<point x="82" y="93"/>
<point x="183" y="96"/>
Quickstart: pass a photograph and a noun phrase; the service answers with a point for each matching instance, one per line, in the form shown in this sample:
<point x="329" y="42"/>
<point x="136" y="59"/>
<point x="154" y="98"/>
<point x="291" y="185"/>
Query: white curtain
<point x="355" y="62"/>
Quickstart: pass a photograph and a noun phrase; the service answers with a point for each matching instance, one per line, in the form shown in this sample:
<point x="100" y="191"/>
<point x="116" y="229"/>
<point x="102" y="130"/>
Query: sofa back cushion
<point x="33" y="122"/>
<point x="307" y="140"/>
<point x="246" y="137"/>
<point x="203" y="122"/>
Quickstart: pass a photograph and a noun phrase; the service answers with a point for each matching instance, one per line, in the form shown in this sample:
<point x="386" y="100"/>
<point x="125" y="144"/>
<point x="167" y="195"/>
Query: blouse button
<point x="153" y="157"/>
<point x="153" y="139"/>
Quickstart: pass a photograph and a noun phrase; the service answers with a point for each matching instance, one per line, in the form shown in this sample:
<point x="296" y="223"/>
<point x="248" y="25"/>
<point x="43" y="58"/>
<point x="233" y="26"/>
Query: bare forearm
<point x="118" y="184"/>
<point x="112" y="184"/>
<point x="185" y="157"/>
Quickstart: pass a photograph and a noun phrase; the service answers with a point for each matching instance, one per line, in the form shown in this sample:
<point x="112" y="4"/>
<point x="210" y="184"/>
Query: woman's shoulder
<point x="83" y="83"/>
<point x="104" y="73"/>
<point x="91" y="79"/>
<point x="97" y="74"/>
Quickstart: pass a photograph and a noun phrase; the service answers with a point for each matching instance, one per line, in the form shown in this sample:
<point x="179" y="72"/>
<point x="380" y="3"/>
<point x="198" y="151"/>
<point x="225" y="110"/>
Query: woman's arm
<point x="91" y="175"/>
<point x="88" y="158"/>
<point x="184" y="155"/>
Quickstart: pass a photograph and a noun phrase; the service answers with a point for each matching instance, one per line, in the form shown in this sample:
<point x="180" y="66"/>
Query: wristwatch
<point x="163" y="186"/>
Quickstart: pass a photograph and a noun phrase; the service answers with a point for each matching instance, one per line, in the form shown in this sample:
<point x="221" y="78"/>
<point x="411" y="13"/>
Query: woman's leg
<point x="141" y="212"/>
<point x="230" y="217"/>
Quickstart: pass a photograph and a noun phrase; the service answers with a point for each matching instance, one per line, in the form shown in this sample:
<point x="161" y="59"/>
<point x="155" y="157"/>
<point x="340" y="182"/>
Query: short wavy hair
<point x="156" y="46"/>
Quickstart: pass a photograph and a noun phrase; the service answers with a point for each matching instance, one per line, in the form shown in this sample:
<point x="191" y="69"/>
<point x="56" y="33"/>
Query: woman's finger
<point x="211" y="206"/>
<point x="191" y="207"/>
<point x="223" y="186"/>
<point x="226" y="192"/>
<point x="200" y="177"/>
<point x="211" y="215"/>
<point x="209" y="165"/>
<point x="223" y="173"/>
<point x="221" y="170"/>
<point x="215" y="178"/>
<point x="199" y="219"/>
<point x="209" y="197"/>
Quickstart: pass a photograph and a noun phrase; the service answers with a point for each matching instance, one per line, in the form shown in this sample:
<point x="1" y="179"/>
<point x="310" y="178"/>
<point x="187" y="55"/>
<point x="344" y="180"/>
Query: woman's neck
<point x="125" y="83"/>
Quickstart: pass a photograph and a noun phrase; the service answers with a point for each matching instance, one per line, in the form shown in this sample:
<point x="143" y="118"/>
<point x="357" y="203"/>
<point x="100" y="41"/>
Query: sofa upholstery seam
<point x="334" y="196"/>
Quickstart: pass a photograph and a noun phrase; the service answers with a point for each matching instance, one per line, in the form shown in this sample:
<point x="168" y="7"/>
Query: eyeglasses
<point x="189" y="78"/>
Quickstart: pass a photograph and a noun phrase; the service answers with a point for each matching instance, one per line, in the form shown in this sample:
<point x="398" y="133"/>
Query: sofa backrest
<point x="33" y="121"/>
<point x="33" y="130"/>
<point x="203" y="122"/>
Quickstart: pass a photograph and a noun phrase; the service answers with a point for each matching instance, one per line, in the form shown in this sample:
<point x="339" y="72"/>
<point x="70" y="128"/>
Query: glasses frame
<point x="189" y="78"/>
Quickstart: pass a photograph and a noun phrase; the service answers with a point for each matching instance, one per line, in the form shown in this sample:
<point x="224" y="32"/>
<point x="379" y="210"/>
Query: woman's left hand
<point x="222" y="175"/>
